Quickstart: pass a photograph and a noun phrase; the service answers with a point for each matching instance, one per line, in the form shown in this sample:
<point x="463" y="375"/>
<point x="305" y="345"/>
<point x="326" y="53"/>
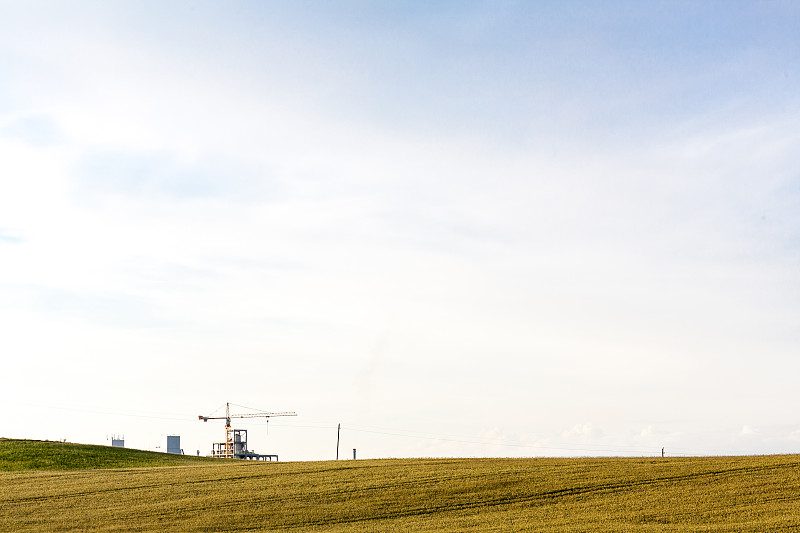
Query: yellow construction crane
<point x="235" y="445"/>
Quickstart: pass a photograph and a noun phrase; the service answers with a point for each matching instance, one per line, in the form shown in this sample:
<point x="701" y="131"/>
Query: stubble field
<point x="757" y="493"/>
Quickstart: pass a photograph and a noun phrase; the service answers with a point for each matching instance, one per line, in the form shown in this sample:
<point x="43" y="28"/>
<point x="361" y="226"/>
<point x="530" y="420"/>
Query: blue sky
<point x="460" y="228"/>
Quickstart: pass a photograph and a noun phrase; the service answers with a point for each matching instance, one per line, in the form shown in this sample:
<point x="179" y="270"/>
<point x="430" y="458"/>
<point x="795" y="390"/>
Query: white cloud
<point x="582" y="433"/>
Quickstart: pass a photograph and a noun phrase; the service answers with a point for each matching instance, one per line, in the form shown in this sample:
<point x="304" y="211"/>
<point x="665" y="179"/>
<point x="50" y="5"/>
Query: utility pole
<point x="338" y="431"/>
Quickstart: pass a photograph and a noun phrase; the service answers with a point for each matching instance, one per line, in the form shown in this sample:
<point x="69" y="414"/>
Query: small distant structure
<point x="118" y="441"/>
<point x="235" y="445"/>
<point x="174" y="444"/>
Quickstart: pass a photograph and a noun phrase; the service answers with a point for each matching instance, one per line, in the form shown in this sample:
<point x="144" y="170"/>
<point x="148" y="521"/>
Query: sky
<point x="455" y="228"/>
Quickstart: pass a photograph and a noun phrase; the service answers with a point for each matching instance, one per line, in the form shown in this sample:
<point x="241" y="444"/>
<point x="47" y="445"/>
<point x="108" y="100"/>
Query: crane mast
<point x="235" y="447"/>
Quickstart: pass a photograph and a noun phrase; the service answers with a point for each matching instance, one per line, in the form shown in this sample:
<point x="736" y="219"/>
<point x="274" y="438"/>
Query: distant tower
<point x="118" y="441"/>
<point x="174" y="444"/>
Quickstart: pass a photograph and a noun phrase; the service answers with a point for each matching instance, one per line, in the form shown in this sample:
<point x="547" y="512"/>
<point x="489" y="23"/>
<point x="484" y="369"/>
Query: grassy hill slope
<point x="48" y="455"/>
<point x="742" y="494"/>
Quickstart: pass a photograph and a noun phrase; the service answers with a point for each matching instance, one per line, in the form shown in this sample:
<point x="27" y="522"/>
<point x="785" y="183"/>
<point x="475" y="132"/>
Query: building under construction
<point x="238" y="450"/>
<point x="235" y="445"/>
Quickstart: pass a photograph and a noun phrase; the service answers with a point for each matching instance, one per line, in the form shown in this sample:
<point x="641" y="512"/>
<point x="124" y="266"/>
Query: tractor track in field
<point x="491" y="482"/>
<point x="128" y="488"/>
<point x="414" y="482"/>
<point x="539" y="498"/>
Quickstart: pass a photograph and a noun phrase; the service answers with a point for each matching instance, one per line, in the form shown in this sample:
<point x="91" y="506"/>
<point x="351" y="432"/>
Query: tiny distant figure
<point x="662" y="452"/>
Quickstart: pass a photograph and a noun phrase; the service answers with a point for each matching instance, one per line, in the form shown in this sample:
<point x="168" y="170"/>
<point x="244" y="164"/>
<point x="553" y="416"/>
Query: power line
<point x="469" y="438"/>
<point x="593" y="448"/>
<point x="461" y="439"/>
<point x="107" y="412"/>
<point x="500" y="443"/>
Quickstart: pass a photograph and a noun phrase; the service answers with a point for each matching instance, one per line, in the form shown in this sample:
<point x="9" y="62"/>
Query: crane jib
<point x="235" y="445"/>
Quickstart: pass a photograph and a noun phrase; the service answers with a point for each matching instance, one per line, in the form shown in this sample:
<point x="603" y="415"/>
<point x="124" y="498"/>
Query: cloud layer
<point x="573" y="229"/>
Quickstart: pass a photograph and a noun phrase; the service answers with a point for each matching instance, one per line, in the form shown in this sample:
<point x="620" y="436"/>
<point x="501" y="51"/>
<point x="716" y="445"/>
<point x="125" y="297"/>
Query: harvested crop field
<point x="756" y="493"/>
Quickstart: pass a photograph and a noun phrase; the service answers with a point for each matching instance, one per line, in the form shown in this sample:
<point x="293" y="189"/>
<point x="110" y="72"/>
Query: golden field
<point x="736" y="494"/>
